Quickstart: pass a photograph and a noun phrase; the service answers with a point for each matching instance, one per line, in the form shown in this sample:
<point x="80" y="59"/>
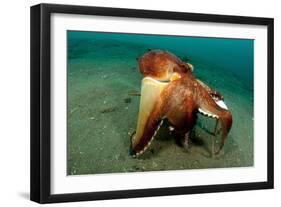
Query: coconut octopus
<point x="170" y="91"/>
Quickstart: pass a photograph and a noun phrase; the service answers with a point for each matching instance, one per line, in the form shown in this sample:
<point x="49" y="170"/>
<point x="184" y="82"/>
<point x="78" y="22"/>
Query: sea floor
<point x="102" y="115"/>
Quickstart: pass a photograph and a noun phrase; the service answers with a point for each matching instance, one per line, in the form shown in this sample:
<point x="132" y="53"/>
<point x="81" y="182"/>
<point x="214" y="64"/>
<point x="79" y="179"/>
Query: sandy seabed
<point x="102" y="115"/>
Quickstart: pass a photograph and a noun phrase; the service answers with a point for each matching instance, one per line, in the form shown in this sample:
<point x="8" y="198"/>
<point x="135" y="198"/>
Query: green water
<point x="102" y="71"/>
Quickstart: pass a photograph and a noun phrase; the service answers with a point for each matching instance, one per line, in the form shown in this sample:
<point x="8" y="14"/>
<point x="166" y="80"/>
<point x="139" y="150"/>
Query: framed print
<point x="133" y="103"/>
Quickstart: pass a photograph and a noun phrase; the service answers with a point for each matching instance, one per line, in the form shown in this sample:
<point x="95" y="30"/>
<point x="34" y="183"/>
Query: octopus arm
<point x="209" y="107"/>
<point x="215" y="94"/>
<point x="149" y="118"/>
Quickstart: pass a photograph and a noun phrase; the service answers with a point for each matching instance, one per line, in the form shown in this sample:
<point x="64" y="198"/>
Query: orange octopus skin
<point x="180" y="101"/>
<point x="157" y="63"/>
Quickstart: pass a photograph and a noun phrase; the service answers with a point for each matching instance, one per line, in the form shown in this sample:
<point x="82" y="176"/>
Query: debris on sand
<point x="108" y="110"/>
<point x="134" y="93"/>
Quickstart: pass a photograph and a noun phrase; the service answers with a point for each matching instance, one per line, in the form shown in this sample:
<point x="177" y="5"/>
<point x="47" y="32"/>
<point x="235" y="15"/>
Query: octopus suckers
<point x="171" y="128"/>
<point x="208" y="114"/>
<point x="149" y="143"/>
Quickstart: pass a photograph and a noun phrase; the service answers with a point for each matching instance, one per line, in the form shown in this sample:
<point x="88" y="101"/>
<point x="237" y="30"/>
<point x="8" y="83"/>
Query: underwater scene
<point x="113" y="124"/>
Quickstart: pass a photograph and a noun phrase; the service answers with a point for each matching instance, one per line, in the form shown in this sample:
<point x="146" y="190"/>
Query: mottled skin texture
<point x="180" y="100"/>
<point x="157" y="64"/>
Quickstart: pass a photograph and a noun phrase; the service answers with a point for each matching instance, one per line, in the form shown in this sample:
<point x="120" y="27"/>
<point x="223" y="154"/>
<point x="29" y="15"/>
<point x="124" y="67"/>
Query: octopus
<point x="169" y="90"/>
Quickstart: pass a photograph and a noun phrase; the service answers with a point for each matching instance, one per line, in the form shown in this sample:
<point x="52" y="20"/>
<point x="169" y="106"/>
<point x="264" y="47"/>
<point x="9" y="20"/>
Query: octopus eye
<point x="186" y="67"/>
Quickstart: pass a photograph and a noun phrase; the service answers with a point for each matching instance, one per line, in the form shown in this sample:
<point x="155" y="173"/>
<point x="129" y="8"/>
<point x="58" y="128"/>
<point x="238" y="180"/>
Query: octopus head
<point x="163" y="66"/>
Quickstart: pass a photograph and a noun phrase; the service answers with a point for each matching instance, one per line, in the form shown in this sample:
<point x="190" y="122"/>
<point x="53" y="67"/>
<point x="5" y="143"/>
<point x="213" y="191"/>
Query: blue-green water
<point x="102" y="73"/>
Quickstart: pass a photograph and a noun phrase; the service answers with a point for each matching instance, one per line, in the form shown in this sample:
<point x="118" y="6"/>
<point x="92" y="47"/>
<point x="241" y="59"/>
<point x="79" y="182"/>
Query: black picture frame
<point x="40" y="184"/>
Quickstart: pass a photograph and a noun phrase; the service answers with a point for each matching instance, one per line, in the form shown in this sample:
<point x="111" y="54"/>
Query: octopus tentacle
<point x="215" y="94"/>
<point x="186" y="140"/>
<point x="151" y="128"/>
<point x="209" y="107"/>
<point x="226" y="120"/>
